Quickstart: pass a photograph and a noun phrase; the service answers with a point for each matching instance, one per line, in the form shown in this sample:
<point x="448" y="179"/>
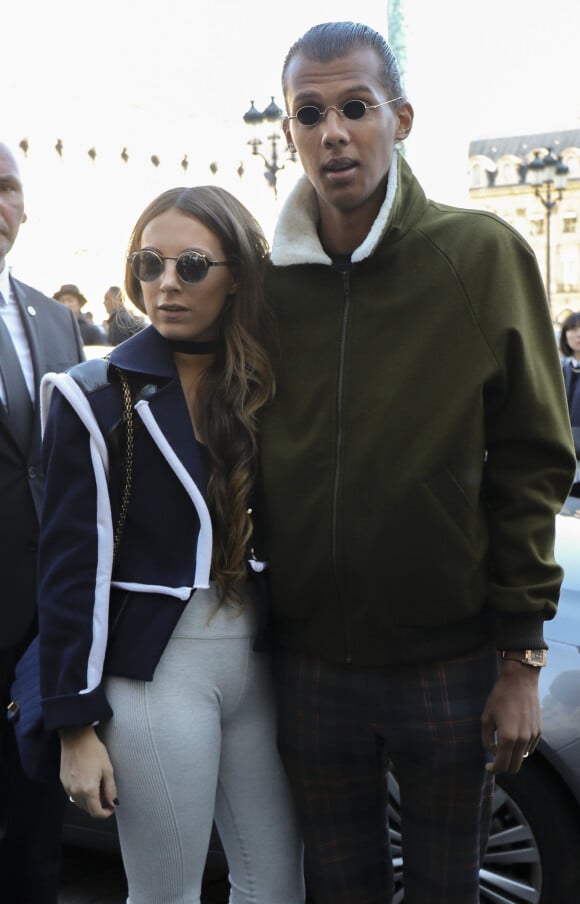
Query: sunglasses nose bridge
<point x="169" y="273"/>
<point x="325" y="113"/>
<point x="334" y="125"/>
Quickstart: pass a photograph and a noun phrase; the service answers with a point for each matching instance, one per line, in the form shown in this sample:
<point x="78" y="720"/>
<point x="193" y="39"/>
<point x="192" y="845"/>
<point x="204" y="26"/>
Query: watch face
<point x="536" y="657"/>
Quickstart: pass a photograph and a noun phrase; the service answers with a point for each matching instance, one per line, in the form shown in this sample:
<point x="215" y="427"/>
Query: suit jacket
<point x="55" y="345"/>
<point x="91" y="333"/>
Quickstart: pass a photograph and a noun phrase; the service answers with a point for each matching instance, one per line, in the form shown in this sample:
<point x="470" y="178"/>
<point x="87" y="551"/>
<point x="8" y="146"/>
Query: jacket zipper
<point x="339" y="446"/>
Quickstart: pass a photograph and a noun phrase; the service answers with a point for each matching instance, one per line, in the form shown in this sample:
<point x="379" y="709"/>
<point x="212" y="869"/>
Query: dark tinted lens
<point x="191" y="267"/>
<point x="354" y="109"/>
<point x="308" y="116"/>
<point x="146" y="265"/>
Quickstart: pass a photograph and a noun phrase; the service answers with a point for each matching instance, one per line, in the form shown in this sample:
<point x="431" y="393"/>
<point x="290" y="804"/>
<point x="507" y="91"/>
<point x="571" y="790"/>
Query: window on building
<point x="569" y="222"/>
<point x="573" y="163"/>
<point x="570" y="271"/>
<point x="478" y="179"/>
<point x="509" y="175"/>
<point x="537" y="226"/>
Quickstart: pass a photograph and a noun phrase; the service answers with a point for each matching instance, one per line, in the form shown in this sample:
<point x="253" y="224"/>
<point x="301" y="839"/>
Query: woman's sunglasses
<point x="191" y="266"/>
<point x="353" y="109"/>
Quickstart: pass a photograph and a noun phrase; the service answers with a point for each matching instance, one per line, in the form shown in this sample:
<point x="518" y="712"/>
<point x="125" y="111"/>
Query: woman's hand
<point x="86" y="771"/>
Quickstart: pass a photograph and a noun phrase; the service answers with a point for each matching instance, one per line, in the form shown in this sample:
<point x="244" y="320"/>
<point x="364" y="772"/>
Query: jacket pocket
<point x="452" y="498"/>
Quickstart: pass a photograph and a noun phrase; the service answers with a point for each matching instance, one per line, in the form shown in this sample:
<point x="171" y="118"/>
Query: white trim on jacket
<point x="72" y="392"/>
<point x="205" y="537"/>
<point x="100" y="461"/>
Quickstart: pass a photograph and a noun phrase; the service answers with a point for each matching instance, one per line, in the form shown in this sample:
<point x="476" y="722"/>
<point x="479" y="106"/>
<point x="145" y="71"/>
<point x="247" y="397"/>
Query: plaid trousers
<point x="340" y="728"/>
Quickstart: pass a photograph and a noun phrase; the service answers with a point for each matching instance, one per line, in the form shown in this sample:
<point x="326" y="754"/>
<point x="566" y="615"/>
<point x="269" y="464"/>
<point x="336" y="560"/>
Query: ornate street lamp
<point x="272" y="114"/>
<point x="551" y="173"/>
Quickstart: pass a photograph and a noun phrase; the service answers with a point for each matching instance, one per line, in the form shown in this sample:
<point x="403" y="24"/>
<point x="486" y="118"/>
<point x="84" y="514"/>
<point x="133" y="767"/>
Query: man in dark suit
<point x="37" y="335"/>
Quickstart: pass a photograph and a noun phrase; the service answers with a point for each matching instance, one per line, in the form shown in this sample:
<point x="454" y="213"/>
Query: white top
<point x="10" y="312"/>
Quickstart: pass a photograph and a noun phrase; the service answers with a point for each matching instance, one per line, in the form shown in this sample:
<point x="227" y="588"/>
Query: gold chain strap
<point x="128" y="411"/>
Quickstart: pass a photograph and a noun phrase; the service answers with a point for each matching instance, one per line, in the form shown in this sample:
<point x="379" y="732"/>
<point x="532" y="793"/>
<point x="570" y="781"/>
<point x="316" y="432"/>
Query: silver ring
<point x="525" y="755"/>
<point x="73" y="801"/>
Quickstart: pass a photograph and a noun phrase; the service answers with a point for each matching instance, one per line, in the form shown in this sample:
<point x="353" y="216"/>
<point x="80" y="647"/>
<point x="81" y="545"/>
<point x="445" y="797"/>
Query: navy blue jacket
<point x="87" y="629"/>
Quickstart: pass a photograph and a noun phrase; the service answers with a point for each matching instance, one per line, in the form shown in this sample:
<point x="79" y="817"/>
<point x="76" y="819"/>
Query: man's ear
<point x="24" y="218"/>
<point x="288" y="135"/>
<point x="405" y="115"/>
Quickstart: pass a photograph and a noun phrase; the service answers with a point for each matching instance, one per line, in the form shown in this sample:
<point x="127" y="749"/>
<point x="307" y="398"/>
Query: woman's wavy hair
<point x="240" y="382"/>
<point x="570" y="322"/>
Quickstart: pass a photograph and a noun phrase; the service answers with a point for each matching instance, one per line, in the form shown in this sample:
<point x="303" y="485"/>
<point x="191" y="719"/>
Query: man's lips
<point x="338" y="164"/>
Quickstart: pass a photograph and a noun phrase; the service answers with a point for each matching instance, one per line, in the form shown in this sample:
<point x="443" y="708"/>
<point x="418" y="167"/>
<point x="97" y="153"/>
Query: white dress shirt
<point x="10" y="312"/>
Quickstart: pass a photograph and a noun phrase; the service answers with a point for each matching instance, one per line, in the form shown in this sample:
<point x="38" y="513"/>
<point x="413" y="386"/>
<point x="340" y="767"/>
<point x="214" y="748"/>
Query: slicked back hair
<point x="332" y="40"/>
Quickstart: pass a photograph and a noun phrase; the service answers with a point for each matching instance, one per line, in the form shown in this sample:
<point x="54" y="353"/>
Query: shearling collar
<point x="296" y="238"/>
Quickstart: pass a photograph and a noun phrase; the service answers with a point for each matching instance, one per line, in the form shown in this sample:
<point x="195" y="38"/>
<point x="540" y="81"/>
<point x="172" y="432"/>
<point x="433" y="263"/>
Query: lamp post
<point x="272" y="114"/>
<point x="551" y="173"/>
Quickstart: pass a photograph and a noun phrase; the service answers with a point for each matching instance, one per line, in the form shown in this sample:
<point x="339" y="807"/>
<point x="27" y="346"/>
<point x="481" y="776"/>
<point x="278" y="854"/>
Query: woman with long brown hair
<point x="151" y="604"/>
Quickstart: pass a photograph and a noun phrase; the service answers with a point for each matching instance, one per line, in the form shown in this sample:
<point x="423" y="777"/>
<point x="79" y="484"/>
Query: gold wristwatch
<point x="535" y="658"/>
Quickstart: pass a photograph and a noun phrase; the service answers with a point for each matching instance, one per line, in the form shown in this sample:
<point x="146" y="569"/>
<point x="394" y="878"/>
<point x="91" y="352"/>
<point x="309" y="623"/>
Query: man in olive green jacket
<point x="414" y="461"/>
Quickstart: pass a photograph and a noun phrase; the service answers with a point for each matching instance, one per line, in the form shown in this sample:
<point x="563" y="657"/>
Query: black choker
<point x="188" y="347"/>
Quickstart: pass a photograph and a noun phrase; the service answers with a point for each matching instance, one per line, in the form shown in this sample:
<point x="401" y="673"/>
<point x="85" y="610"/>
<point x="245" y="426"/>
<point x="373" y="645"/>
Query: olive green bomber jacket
<point x="419" y="446"/>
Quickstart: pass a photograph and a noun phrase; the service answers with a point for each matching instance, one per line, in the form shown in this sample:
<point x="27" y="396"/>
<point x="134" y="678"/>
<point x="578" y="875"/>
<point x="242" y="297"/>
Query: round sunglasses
<point x="353" y="109"/>
<point x="191" y="266"/>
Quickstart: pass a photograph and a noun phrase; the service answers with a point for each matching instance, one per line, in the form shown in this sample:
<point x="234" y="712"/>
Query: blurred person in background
<point x="91" y="333"/>
<point x="122" y="323"/>
<point x="36" y="335"/>
<point x="570" y="350"/>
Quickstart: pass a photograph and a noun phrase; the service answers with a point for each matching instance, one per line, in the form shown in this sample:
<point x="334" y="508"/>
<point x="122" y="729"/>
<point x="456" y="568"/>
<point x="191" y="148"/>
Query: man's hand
<point x="511" y="723"/>
<point x="86" y="772"/>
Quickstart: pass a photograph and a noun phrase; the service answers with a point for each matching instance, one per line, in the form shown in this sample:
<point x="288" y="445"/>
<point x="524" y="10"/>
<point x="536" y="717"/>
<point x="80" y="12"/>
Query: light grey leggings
<point x="198" y="742"/>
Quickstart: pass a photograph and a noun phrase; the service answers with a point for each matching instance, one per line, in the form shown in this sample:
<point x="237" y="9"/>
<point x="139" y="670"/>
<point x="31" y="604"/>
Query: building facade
<point x="499" y="170"/>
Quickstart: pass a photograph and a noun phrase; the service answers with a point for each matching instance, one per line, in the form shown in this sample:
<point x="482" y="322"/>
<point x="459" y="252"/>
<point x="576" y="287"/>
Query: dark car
<point x="533" y="852"/>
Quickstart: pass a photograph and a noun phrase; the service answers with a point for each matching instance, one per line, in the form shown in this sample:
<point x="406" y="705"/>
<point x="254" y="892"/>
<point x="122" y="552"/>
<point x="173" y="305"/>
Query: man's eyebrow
<point x="305" y="95"/>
